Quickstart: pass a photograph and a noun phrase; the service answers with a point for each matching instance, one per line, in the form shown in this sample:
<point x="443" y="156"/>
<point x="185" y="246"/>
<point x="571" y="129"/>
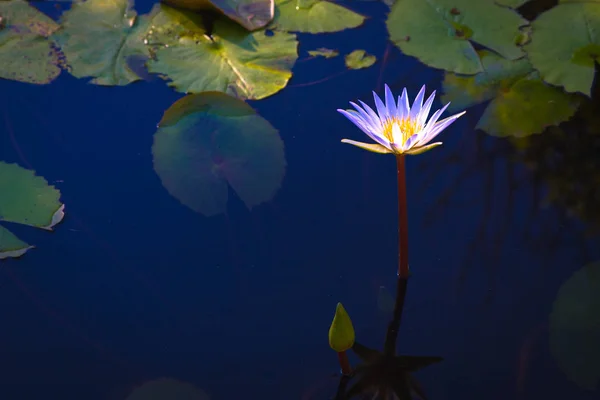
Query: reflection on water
<point x="223" y="284"/>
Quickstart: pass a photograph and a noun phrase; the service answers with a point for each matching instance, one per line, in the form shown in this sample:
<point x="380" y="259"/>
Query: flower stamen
<point x="406" y="126"/>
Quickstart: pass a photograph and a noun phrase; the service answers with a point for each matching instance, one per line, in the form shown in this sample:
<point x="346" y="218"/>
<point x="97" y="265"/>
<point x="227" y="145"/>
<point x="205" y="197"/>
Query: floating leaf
<point x="511" y="3"/>
<point x="26" y="55"/>
<point x="341" y="331"/>
<point x="323" y="52"/>
<point x="522" y="104"/>
<point x="359" y="59"/>
<point x="564" y="45"/>
<point x="208" y="140"/>
<point x="575" y="327"/>
<point x="97" y="37"/>
<point x="440" y="32"/>
<point x="251" y="14"/>
<point x="167" y="389"/>
<point x="231" y="60"/>
<point x="314" y="16"/>
<point x="26" y="199"/>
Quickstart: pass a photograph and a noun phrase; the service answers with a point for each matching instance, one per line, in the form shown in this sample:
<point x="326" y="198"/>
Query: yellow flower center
<point x="406" y="126"/>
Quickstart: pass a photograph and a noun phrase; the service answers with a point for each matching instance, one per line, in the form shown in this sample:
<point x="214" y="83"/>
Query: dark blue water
<point x="133" y="286"/>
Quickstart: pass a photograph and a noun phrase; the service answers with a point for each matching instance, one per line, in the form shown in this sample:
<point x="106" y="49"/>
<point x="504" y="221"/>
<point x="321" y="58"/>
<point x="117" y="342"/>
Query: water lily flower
<point x="399" y="128"/>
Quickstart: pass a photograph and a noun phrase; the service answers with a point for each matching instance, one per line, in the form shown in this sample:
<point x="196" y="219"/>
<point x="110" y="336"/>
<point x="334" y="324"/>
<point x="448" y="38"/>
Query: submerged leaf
<point x="575" y="327"/>
<point x="26" y="55"/>
<point x="167" y="389"/>
<point x="251" y="14"/>
<point x="98" y="36"/>
<point x="359" y="59"/>
<point x="323" y="52"/>
<point x="26" y="199"/>
<point x="314" y="16"/>
<point x="522" y="104"/>
<point x="565" y="43"/>
<point x="206" y="141"/>
<point x="341" y="331"/>
<point x="231" y="60"/>
<point x="439" y="32"/>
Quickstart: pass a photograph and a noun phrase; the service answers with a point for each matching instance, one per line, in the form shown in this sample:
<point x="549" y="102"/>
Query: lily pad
<point x="439" y="32"/>
<point x="323" y="52"/>
<point x="167" y="389"/>
<point x="26" y="55"/>
<point x="565" y="43"/>
<point x="97" y="37"/>
<point x="511" y="3"/>
<point x="314" y="16"/>
<point x="575" y="327"/>
<point x="248" y="65"/>
<point x="26" y="199"/>
<point x="521" y="103"/>
<point x="359" y="59"/>
<point x="251" y="14"/>
<point x="209" y="140"/>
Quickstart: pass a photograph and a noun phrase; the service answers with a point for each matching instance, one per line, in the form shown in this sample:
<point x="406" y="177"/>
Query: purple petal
<point x="359" y="122"/>
<point x="422" y="118"/>
<point x="403" y="106"/>
<point x="381" y="110"/>
<point x="372" y="114"/>
<point x="390" y="103"/>
<point x="440" y="126"/>
<point x="410" y="142"/>
<point x="366" y="116"/>
<point x="415" y="109"/>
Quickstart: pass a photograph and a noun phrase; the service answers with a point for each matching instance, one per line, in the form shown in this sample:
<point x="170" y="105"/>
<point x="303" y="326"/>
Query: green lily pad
<point x="575" y="327"/>
<point x="439" y="32"/>
<point x="511" y="3"/>
<point x="359" y="59"/>
<point x="323" y="52"/>
<point x="248" y="65"/>
<point x="251" y="14"/>
<point x="209" y="140"/>
<point x="98" y="36"/>
<point x="564" y="45"/>
<point x="26" y="55"/>
<point x="314" y="16"/>
<point x="521" y="103"/>
<point x="26" y="199"/>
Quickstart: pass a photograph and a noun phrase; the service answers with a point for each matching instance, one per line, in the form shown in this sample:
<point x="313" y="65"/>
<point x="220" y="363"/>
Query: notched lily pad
<point x="521" y="103"/>
<point x="565" y="43"/>
<point x="248" y="65"/>
<point x="439" y="32"/>
<point x="210" y="140"/>
<point x="323" y="52"/>
<point x="26" y="199"/>
<point x="575" y="327"/>
<point x="97" y="38"/>
<point x="314" y="16"/>
<point x="251" y="14"/>
<point x="26" y="55"/>
<point x="359" y="59"/>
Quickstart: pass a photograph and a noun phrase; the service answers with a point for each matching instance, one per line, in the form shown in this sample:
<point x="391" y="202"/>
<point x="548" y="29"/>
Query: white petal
<point x="396" y="134"/>
<point x="425" y="110"/>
